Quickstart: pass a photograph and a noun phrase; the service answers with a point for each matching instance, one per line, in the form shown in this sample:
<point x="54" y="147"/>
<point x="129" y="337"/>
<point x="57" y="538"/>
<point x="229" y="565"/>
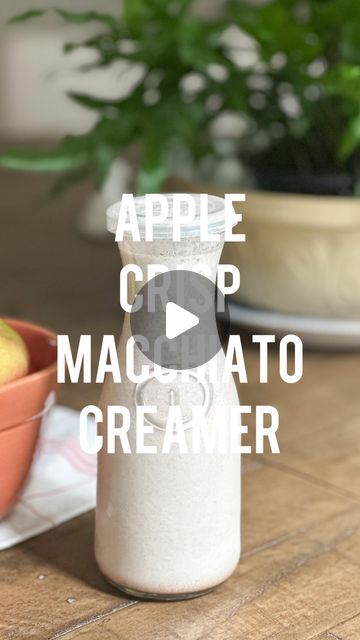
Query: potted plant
<point x="288" y="73"/>
<point x="302" y="253"/>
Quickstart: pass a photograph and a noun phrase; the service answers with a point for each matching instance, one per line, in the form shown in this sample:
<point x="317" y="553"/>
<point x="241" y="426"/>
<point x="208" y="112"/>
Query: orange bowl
<point x="23" y="404"/>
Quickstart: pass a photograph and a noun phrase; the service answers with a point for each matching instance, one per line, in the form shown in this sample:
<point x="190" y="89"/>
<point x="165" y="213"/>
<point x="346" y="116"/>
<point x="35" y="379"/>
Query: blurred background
<point x="214" y="96"/>
<point x="35" y="76"/>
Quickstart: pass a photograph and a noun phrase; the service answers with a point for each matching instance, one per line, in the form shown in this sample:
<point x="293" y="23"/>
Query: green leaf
<point x="88" y="16"/>
<point x="344" y="80"/>
<point x="151" y="180"/>
<point x="28" y="15"/>
<point x="70" y="17"/>
<point x="154" y="167"/>
<point x="90" y="102"/>
<point x="350" y="43"/>
<point x="198" y="43"/>
<point x="351" y="138"/>
<point x="104" y="158"/>
<point x="136" y="13"/>
<point x="115" y="133"/>
<point x="59" y="159"/>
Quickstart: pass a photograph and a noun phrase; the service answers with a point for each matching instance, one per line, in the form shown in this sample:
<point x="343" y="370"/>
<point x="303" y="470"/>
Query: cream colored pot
<point x="301" y="255"/>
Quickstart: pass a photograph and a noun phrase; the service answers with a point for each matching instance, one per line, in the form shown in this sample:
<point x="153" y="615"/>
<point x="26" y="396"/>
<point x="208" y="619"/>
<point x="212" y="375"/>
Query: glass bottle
<point x="168" y="525"/>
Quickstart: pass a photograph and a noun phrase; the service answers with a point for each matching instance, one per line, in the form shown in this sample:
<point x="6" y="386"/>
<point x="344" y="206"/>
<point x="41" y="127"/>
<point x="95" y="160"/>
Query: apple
<point x="14" y="355"/>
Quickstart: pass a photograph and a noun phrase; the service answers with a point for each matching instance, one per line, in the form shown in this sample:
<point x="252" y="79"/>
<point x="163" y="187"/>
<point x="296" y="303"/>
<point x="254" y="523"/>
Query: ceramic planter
<point x="302" y="253"/>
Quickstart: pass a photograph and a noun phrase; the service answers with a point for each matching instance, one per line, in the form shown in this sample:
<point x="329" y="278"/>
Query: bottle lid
<point x="215" y="218"/>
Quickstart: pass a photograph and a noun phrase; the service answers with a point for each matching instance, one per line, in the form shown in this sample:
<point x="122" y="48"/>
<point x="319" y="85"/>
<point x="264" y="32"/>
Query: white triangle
<point x="178" y="320"/>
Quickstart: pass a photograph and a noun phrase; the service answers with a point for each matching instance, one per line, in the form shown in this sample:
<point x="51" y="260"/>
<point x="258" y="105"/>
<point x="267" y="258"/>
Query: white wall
<point x="34" y="74"/>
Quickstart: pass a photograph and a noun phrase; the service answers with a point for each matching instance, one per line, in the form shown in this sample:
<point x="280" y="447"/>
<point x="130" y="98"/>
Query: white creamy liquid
<point x="167" y="524"/>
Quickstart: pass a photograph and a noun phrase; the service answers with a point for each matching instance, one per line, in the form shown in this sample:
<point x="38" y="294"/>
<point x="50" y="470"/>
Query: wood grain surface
<point x="299" y="574"/>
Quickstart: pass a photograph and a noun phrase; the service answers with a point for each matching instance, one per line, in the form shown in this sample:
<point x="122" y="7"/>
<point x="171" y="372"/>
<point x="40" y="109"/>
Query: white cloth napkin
<point x="61" y="484"/>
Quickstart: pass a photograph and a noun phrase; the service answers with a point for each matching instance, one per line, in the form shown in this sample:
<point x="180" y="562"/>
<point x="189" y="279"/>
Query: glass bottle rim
<point x="216" y="213"/>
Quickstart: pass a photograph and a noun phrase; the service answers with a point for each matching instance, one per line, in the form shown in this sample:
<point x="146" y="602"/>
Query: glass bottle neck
<point x="190" y="254"/>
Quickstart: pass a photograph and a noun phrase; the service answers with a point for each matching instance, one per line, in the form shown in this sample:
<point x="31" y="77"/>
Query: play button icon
<point x="179" y="319"/>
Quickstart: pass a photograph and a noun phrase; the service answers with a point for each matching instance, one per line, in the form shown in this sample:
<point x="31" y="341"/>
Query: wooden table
<point x="299" y="575"/>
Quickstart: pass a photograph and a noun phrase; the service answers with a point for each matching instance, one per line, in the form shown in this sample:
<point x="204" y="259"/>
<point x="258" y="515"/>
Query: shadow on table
<point x="69" y="551"/>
